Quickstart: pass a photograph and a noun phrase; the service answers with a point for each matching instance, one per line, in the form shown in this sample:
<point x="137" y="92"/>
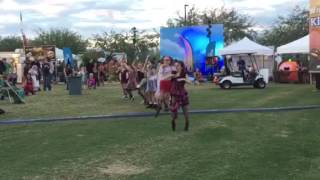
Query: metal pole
<point x="185" y="14"/>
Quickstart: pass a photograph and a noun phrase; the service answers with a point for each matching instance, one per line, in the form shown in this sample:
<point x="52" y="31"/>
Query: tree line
<point x="236" y="26"/>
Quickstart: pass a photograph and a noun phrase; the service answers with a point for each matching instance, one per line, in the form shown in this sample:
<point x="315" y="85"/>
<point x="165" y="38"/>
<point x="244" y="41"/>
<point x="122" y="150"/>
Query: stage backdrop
<point x="191" y="44"/>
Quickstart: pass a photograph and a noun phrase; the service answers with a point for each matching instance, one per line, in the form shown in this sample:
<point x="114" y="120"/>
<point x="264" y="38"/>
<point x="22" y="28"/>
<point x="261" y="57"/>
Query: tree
<point x="10" y="43"/>
<point x="61" y="38"/>
<point x="287" y="28"/>
<point x="236" y="26"/>
<point x="147" y="43"/>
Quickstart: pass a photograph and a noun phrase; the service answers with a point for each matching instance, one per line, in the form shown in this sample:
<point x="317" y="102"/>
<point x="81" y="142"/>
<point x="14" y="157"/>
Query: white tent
<point x="246" y="46"/>
<point x="300" y="46"/>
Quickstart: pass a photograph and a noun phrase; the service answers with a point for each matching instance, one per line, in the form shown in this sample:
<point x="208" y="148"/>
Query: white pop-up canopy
<point x="246" y="46"/>
<point x="300" y="46"/>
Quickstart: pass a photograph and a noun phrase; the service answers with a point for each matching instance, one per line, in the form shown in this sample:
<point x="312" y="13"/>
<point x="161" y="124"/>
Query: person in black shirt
<point x="89" y="68"/>
<point x="2" y="66"/>
<point x="47" y="75"/>
<point x="242" y="67"/>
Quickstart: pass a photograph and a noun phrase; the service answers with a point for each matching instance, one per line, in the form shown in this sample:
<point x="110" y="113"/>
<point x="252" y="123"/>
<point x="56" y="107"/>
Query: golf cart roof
<point x="246" y="46"/>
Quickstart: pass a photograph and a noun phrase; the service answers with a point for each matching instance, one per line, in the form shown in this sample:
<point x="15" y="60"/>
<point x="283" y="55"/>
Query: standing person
<point x="89" y="68"/>
<point x="141" y="80"/>
<point x="242" y="67"/>
<point x="151" y="86"/>
<point x="28" y="87"/>
<point x="179" y="95"/>
<point x="132" y="81"/>
<point x="96" y="73"/>
<point x="34" y="74"/>
<point x="123" y="77"/>
<point x="2" y="66"/>
<point x="92" y="83"/>
<point x="67" y="73"/>
<point x="47" y="71"/>
<point x="102" y="73"/>
<point x="164" y="75"/>
<point x="82" y="73"/>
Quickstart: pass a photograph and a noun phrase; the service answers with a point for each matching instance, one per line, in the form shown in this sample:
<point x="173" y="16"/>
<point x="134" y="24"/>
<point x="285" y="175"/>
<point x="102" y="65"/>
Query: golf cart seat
<point x="236" y="74"/>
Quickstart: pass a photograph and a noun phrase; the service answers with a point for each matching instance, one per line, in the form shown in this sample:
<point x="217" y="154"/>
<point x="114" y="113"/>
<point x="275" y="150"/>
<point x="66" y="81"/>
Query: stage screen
<point x="191" y="44"/>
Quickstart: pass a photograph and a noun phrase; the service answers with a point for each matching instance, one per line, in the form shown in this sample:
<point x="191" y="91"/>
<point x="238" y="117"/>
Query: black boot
<point x="158" y="109"/>
<point x="186" y="127"/>
<point x="173" y="125"/>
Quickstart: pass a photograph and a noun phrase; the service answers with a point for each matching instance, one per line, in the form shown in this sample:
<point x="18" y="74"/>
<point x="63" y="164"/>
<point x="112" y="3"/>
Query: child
<point x="151" y="87"/>
<point x="82" y="73"/>
<point x="92" y="83"/>
<point x="123" y="77"/>
<point x="28" y="87"/>
<point x="179" y="95"/>
<point x="35" y="81"/>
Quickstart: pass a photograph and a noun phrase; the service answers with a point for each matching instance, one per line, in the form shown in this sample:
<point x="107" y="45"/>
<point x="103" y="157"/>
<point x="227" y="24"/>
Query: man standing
<point x="242" y="67"/>
<point x="47" y="71"/>
<point x="2" y="66"/>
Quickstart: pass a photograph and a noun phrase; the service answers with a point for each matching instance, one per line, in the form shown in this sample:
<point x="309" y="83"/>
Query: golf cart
<point x="249" y="77"/>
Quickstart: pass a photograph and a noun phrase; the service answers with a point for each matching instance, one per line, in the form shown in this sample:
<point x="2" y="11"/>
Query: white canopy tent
<point x="300" y="46"/>
<point x="246" y="46"/>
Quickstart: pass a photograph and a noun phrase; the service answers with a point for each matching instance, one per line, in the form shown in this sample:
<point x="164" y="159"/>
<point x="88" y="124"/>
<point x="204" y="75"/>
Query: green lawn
<point x="264" y="146"/>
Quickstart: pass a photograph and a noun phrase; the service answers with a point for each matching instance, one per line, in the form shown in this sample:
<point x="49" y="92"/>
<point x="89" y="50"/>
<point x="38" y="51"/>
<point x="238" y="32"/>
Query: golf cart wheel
<point x="226" y="85"/>
<point x="260" y="84"/>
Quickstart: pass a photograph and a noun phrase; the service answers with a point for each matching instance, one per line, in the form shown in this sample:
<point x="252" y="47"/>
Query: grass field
<point x="266" y="146"/>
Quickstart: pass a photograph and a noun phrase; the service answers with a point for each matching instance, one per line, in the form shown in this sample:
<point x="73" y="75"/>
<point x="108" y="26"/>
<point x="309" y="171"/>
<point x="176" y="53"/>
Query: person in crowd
<point x="101" y="73"/>
<point x="151" y="86"/>
<point x="47" y="71"/>
<point x="68" y="71"/>
<point x="113" y="66"/>
<point x="92" y="83"/>
<point x="26" y="69"/>
<point x="28" y="87"/>
<point x="164" y="76"/>
<point x="34" y="75"/>
<point x="123" y="77"/>
<point x="60" y="71"/>
<point x="82" y="73"/>
<point x="141" y="79"/>
<point x="89" y="68"/>
<point x="2" y="66"/>
<point x="96" y="73"/>
<point x="242" y="67"/>
<point x="198" y="78"/>
<point x="179" y="95"/>
<point x="132" y="80"/>
<point x="37" y="62"/>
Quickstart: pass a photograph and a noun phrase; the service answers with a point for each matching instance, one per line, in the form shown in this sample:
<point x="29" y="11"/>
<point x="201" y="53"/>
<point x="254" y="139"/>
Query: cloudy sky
<point x="95" y="16"/>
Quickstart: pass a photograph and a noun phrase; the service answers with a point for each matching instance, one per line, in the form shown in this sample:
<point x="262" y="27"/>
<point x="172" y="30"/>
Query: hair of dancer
<point x="179" y="95"/>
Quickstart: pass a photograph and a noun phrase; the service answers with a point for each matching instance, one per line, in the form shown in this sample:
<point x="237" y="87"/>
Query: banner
<point x="40" y="53"/>
<point x="314" y="35"/>
<point x="67" y="54"/>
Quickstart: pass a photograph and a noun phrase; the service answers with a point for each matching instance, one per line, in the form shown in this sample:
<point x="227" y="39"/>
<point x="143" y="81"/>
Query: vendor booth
<point x="298" y="52"/>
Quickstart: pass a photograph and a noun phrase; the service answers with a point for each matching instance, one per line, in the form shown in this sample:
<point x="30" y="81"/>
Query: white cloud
<point x="124" y="14"/>
<point x="91" y="24"/>
<point x="9" y="19"/>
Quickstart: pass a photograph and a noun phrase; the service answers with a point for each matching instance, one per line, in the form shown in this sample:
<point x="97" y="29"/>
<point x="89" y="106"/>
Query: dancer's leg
<point x="185" y="110"/>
